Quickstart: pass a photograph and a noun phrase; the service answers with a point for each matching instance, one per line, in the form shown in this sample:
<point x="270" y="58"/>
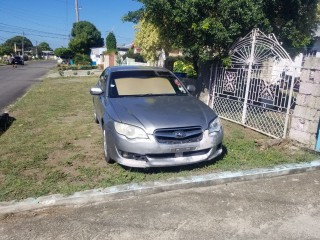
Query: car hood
<point x="157" y="112"/>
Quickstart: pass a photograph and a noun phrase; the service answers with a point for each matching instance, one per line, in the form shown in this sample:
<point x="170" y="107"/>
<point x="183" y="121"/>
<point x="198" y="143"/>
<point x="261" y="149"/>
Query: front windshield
<point x="144" y="83"/>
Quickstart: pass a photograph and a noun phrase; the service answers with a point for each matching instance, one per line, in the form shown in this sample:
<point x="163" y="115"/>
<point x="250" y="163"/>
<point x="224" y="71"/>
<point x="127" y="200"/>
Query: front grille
<point x="179" y="135"/>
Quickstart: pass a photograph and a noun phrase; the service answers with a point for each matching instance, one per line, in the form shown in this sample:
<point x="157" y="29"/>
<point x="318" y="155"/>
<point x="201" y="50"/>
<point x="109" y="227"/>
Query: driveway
<point x="285" y="207"/>
<point x="15" y="82"/>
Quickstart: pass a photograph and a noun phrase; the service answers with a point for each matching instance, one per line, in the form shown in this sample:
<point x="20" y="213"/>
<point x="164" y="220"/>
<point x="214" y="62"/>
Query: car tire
<point x="106" y="148"/>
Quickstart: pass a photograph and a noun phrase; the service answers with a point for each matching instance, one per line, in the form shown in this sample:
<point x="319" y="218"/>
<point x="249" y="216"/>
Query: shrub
<point x="73" y="67"/>
<point x="82" y="59"/>
<point x="63" y="67"/>
<point x="85" y="67"/>
<point x="180" y="66"/>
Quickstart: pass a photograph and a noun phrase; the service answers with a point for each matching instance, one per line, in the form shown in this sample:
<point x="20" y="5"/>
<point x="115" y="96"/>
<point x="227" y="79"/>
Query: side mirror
<point x="191" y="88"/>
<point x="96" y="91"/>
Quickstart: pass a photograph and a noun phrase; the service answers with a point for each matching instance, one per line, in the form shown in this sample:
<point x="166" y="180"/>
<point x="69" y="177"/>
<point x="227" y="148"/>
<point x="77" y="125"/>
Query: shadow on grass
<point x="179" y="168"/>
<point x="5" y="122"/>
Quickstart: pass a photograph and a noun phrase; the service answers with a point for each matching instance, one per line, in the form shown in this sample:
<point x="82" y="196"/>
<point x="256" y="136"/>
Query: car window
<point x="142" y="86"/>
<point x="142" y="83"/>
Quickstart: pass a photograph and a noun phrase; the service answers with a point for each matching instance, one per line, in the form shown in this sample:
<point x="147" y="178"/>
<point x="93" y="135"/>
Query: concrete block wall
<point x="306" y="116"/>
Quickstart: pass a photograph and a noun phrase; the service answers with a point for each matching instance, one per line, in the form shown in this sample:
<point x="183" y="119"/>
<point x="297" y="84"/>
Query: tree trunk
<point x="195" y="63"/>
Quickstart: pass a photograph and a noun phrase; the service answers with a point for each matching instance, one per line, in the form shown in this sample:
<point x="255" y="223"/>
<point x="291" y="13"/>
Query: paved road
<point x="278" y="208"/>
<point x="15" y="82"/>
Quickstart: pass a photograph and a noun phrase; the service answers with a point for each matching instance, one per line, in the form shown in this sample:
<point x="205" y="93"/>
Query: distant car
<point x="17" y="60"/>
<point x="149" y="119"/>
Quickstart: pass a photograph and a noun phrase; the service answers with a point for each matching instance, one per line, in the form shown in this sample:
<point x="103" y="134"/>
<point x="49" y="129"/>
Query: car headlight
<point x="129" y="131"/>
<point x="215" y="126"/>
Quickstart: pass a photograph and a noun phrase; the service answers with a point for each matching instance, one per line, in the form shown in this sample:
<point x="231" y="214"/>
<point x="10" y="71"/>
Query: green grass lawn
<point x="54" y="146"/>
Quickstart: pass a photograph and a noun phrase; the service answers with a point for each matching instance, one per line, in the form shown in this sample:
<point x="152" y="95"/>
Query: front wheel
<point x="106" y="148"/>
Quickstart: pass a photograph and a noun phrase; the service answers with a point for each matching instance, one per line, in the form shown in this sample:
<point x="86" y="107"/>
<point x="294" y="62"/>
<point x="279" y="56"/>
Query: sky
<point x="51" y="20"/>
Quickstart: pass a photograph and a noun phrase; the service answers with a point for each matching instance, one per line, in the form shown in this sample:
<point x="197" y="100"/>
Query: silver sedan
<point x="149" y="119"/>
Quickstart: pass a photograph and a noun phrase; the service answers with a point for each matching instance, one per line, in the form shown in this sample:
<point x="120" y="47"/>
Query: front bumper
<point x="145" y="153"/>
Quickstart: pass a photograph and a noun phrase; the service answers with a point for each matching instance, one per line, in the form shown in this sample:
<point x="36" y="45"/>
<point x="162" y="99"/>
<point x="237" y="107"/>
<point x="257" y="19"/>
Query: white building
<point x="96" y="56"/>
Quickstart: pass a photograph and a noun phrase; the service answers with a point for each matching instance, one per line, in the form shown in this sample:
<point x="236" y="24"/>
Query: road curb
<point x="137" y="189"/>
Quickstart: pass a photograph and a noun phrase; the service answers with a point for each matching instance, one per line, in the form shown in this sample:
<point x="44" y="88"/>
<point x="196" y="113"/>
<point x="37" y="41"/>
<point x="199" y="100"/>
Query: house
<point x="96" y="56"/>
<point x="98" y="59"/>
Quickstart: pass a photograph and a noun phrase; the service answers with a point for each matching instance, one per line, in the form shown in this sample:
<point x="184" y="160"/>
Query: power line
<point x="33" y="34"/>
<point x="33" y="30"/>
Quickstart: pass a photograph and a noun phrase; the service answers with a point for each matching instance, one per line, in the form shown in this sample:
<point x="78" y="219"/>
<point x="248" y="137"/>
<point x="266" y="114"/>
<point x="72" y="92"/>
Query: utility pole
<point x="22" y="48"/>
<point x="36" y="49"/>
<point x="77" y="9"/>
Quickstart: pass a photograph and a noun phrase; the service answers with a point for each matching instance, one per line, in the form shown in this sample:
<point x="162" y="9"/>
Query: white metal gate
<point x="258" y="90"/>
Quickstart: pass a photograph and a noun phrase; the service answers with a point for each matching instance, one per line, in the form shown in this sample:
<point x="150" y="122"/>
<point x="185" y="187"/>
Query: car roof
<point x="136" y="68"/>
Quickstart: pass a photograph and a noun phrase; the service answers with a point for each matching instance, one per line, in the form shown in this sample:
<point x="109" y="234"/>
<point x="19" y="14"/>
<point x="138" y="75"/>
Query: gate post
<point x="306" y="116"/>
<point x="251" y="59"/>
<point x="289" y="104"/>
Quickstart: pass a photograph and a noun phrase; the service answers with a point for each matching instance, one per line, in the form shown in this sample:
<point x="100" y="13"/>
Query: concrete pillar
<point x="306" y="116"/>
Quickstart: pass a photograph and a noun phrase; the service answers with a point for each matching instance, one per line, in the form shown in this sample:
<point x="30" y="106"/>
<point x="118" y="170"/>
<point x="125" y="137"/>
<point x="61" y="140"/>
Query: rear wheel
<point x="106" y="148"/>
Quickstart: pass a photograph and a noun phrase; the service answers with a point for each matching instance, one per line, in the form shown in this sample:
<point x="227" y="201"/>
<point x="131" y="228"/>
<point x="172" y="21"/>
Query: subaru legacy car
<point x="149" y="119"/>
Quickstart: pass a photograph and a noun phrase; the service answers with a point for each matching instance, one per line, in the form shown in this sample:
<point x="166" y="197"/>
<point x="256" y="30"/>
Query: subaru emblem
<point x="179" y="134"/>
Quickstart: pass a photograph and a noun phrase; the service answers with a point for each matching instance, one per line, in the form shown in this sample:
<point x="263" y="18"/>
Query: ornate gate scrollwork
<point x="258" y="90"/>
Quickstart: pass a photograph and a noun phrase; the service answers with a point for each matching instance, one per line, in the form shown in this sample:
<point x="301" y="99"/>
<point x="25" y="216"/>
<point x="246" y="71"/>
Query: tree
<point x="111" y="43"/>
<point x="44" y="46"/>
<point x="147" y="37"/>
<point x="27" y="44"/>
<point x="82" y="59"/>
<point x="293" y="22"/>
<point x="206" y="28"/>
<point x="198" y="27"/>
<point x="62" y="52"/>
<point x="5" y="50"/>
<point x="136" y="56"/>
<point x="84" y="36"/>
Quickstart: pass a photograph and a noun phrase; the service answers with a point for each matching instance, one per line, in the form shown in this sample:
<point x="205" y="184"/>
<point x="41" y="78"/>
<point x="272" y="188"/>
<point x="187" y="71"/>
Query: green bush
<point x="73" y="67"/>
<point x="180" y="66"/>
<point x="82" y="59"/>
<point x="85" y="67"/>
<point x="63" y="67"/>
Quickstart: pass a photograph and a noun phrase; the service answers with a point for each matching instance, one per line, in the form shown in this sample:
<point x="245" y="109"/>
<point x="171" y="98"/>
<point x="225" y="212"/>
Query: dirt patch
<point x="286" y="145"/>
